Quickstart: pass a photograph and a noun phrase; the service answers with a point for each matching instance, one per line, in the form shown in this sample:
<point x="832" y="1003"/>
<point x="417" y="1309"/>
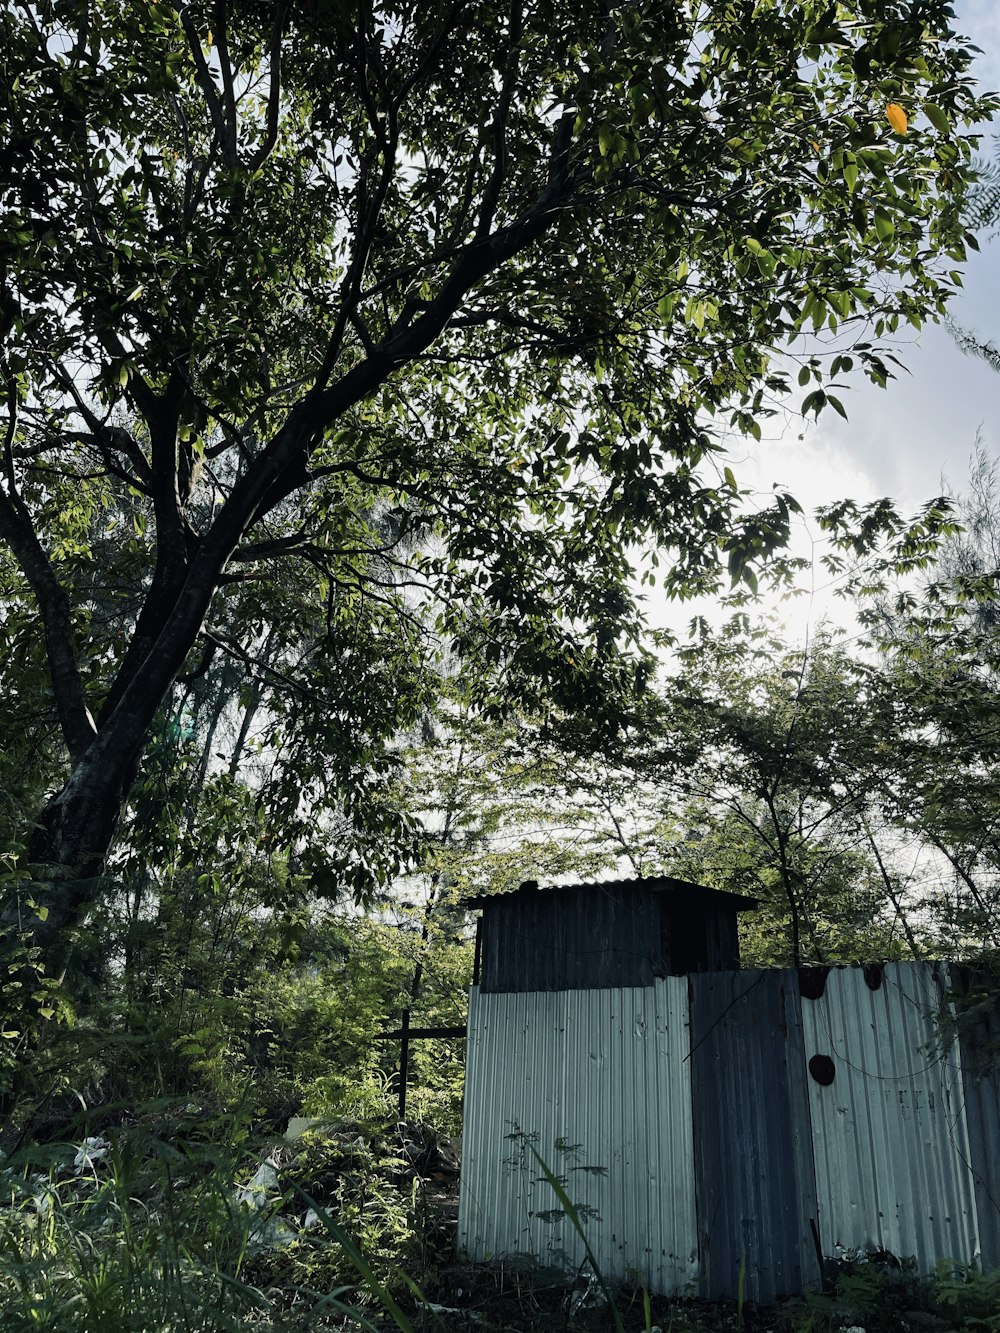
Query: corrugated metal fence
<point x="754" y="1119"/>
<point x="600" y="1081"/>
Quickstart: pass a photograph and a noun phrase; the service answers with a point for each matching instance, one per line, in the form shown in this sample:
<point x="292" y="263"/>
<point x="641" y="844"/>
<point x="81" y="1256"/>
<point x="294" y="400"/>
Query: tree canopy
<point x="405" y="325"/>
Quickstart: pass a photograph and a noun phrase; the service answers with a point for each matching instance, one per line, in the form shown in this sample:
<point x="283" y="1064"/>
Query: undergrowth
<point x="181" y="1221"/>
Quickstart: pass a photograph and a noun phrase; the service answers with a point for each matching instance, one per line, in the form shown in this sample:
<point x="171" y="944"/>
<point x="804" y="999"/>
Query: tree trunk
<point x="66" y="859"/>
<point x="68" y="851"/>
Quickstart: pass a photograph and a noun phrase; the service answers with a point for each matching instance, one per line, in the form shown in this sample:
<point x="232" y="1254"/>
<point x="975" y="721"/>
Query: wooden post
<point x="404" y="1059"/>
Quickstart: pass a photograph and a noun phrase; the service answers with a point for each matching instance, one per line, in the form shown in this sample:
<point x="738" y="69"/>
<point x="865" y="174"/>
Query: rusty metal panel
<point x="890" y="1139"/>
<point x="755" y="1188"/>
<point x="979" y="1043"/>
<point x="600" y="1080"/>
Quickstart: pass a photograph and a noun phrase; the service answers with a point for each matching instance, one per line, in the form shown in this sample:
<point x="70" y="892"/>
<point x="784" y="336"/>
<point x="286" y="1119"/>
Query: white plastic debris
<point x="272" y="1234"/>
<point x="589" y="1296"/>
<point x="301" y="1124"/>
<point x="90" y="1151"/>
<point x="260" y="1196"/>
<point x="254" y="1194"/>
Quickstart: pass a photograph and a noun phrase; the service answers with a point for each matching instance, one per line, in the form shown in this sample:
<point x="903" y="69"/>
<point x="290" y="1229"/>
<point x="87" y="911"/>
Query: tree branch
<point x="283" y="466"/>
<point x="75" y="720"/>
<point x="115" y="437"/>
<point x="207" y="85"/>
<point x="369" y="210"/>
<point x="231" y="146"/>
<point x="273" y="92"/>
<point x="491" y="194"/>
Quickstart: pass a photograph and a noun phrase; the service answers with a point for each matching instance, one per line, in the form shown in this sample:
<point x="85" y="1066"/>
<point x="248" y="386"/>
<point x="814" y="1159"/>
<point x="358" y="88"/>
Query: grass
<point x="149" y="1236"/>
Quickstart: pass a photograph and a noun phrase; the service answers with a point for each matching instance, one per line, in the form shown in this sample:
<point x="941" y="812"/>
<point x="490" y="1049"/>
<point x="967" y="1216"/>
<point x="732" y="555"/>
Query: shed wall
<point x="602" y="1079"/>
<point x="597" y="936"/>
<point x="577" y="940"/>
<point x="754" y="1180"/>
<point x="699" y="936"/>
<point x="890" y="1140"/>
<point x="718" y="1141"/>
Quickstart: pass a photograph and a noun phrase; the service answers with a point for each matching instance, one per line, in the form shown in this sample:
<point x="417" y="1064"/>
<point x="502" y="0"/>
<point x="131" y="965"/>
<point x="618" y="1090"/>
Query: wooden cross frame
<point x="404" y="1035"/>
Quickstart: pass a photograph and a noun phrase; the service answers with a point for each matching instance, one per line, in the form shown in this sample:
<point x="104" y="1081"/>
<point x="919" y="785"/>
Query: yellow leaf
<point x="896" y="117"/>
<point x="815" y="147"/>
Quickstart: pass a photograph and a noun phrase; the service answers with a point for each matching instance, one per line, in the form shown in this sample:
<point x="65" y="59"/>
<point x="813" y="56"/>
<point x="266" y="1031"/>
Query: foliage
<point x="367" y="1189"/>
<point x="148" y="1230"/>
<point x="935" y="687"/>
<point x="326" y="327"/>
<point x="879" y="1292"/>
<point x="967" y="1298"/>
<point x="791" y="751"/>
<point x="982" y="213"/>
<point x="231" y="1019"/>
<point x="751" y="766"/>
<point x="143" y="1236"/>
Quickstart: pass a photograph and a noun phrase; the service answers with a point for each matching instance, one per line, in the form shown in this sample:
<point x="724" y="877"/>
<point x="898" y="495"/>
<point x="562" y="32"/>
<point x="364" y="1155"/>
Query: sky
<point x="907" y="440"/>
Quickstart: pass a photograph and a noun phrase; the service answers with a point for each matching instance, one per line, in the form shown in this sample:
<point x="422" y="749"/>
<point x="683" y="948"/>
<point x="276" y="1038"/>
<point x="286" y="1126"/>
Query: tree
<point x="938" y="676"/>
<point x="751" y="766"/>
<point x="289" y="283"/>
<point x="784" y="754"/>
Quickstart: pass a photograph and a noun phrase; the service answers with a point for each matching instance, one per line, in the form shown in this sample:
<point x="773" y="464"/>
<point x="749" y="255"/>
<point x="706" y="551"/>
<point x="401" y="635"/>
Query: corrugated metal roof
<point x="754" y="1179"/>
<point x="651" y="883"/>
<point x="602" y="1079"/>
<point x="890" y="1141"/>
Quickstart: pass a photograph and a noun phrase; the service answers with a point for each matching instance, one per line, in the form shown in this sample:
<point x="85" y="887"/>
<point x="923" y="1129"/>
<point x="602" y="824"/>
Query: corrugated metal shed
<point x="890" y="1140"/>
<point x="607" y="934"/>
<point x="601" y="1077"/>
<point x="754" y="1180"/>
<point x="754" y="1118"/>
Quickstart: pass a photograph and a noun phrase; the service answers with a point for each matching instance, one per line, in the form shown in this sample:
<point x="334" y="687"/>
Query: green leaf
<point x="884" y="226"/>
<point x="361" y="1265"/>
<point x="695" y="313"/>
<point x="937" y="118"/>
